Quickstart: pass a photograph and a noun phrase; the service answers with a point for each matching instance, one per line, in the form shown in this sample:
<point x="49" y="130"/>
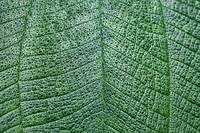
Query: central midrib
<point x="168" y="62"/>
<point x="102" y="63"/>
<point x="19" y="63"/>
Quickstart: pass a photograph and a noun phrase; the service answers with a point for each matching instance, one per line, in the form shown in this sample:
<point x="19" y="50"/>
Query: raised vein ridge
<point x="19" y="63"/>
<point x="168" y="60"/>
<point x="103" y="62"/>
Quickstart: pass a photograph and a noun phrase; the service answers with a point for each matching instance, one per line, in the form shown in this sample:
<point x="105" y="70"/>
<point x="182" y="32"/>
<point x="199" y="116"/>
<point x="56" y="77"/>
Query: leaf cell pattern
<point x="95" y="66"/>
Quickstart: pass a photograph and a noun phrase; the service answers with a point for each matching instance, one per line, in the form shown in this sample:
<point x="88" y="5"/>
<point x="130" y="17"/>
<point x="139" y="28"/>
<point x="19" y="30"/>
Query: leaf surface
<point x="99" y="66"/>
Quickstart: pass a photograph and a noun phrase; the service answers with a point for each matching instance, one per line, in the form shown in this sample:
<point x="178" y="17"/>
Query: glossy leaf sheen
<point x="99" y="66"/>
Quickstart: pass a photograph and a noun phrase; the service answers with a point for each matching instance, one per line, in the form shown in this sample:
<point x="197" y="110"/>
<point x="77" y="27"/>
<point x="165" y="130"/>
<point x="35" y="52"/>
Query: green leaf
<point x="99" y="66"/>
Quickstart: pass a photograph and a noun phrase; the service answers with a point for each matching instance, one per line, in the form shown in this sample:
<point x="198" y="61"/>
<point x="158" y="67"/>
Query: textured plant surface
<point x="99" y="66"/>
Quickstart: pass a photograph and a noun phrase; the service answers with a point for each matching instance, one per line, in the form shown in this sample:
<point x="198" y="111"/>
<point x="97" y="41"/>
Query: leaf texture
<point x="99" y="66"/>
